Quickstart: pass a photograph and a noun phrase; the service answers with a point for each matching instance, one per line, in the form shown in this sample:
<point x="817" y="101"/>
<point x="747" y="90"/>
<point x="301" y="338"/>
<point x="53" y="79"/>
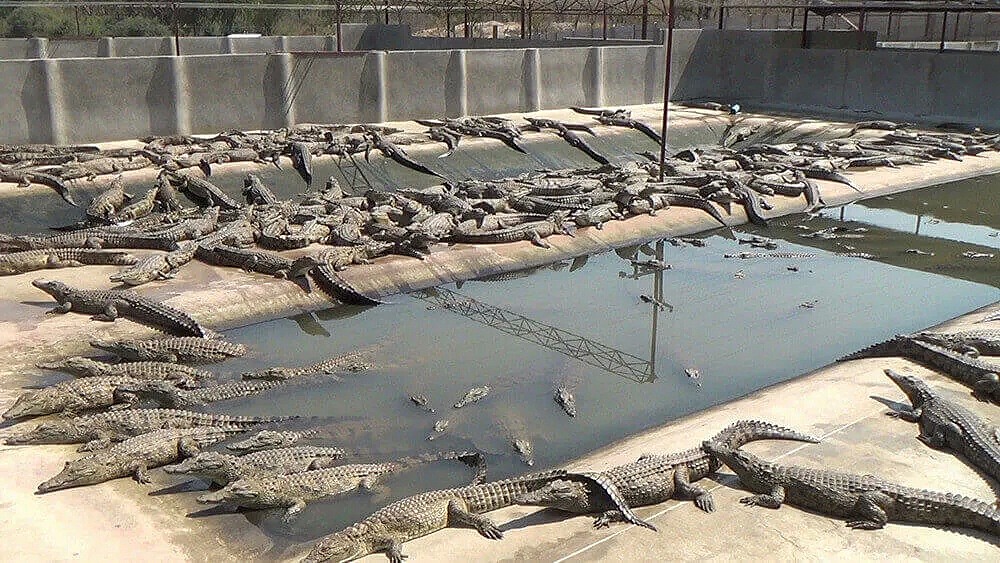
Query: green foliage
<point x="29" y="22"/>
<point x="137" y="26"/>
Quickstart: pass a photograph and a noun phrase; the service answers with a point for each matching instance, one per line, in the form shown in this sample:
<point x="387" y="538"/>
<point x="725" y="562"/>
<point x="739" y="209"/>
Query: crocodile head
<point x="107" y="345"/>
<point x="76" y="365"/>
<point x="56" y="289"/>
<point x="156" y="390"/>
<point x="36" y="403"/>
<point x="76" y="473"/>
<point x="303" y="265"/>
<point x="561" y="494"/>
<point x="52" y="432"/>
<point x="741" y="462"/>
<point x="338" y="547"/>
<point x="241" y="493"/>
<point x="916" y="390"/>
<point x="265" y="440"/>
<point x="205" y="463"/>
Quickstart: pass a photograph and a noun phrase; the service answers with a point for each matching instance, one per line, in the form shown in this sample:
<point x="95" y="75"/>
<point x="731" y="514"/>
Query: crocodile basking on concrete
<point x="269" y="440"/>
<point x="166" y="395"/>
<point x="224" y="468"/>
<point x="975" y="342"/>
<point x="946" y="425"/>
<point x="184" y="376"/>
<point x="180" y="349"/>
<point x="201" y="191"/>
<point x="31" y="260"/>
<point x="867" y="501"/>
<point x="108" y="305"/>
<point x="974" y="373"/>
<point x="98" y="431"/>
<point x="72" y="396"/>
<point x="355" y="360"/>
<point x="418" y="515"/>
<point x="136" y="456"/>
<point x="653" y="479"/>
<point x="250" y="259"/>
<point x="155" y="267"/>
<point x="293" y="491"/>
<point x="535" y="231"/>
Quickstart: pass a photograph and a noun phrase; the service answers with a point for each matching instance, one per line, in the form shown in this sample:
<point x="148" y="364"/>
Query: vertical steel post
<point x="604" y="20"/>
<point x="722" y="15"/>
<point x="645" y="18"/>
<point x="805" y="29"/>
<point x="447" y="22"/>
<point x="666" y="87"/>
<point x="468" y="30"/>
<point x="791" y="19"/>
<point x="340" y="35"/>
<point x="523" y="20"/>
<point x="944" y="26"/>
<point x="888" y="26"/>
<point x="177" y="30"/>
<point x="386" y="12"/>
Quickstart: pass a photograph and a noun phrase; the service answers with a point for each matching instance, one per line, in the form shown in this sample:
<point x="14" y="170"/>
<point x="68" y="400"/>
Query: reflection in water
<point x="588" y="351"/>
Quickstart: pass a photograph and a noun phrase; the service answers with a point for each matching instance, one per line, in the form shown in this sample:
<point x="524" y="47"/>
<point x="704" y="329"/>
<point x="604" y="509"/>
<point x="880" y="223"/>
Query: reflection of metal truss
<point x="573" y="345"/>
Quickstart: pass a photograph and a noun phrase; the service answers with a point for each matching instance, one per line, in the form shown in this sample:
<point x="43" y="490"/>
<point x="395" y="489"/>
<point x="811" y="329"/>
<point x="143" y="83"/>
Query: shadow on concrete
<point x="546" y="516"/>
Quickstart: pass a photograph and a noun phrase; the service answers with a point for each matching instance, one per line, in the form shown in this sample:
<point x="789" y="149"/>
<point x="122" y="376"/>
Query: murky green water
<point x="743" y="324"/>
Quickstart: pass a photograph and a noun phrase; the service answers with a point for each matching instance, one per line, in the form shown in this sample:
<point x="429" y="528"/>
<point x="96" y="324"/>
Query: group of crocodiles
<point x="311" y="239"/>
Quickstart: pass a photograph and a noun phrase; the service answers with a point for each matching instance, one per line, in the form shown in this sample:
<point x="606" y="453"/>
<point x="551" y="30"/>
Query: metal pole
<point x="468" y="30"/>
<point x="177" y="30"/>
<point x="386" y="12"/>
<point x="666" y="87"/>
<point x="76" y="10"/>
<point x="791" y="19"/>
<point x="722" y="15"/>
<point x="530" y="31"/>
<point x="645" y="18"/>
<point x="447" y="19"/>
<point x="523" y="19"/>
<point x="888" y="26"/>
<point x="340" y="35"/>
<point x="944" y="26"/>
<point x="805" y="26"/>
<point x="604" y="20"/>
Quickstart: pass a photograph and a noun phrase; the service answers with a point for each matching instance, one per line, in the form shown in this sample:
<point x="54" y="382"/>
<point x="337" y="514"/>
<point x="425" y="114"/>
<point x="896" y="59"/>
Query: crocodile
<point x="252" y="259"/>
<point x="534" y="231"/>
<point x="301" y="160"/>
<point x="136" y="456"/>
<point x="223" y="469"/>
<point x="99" y="430"/>
<point x="783" y="255"/>
<point x="183" y="376"/>
<point x="256" y="192"/>
<point x="201" y="191"/>
<point x="473" y="395"/>
<point x="106" y="204"/>
<point x="984" y="341"/>
<point x="946" y="425"/>
<point x="138" y="208"/>
<point x="167" y="395"/>
<point x="179" y="349"/>
<point x="293" y="491"/>
<point x="974" y="373"/>
<point x="564" y="398"/>
<point x="31" y="260"/>
<point x="28" y="177"/>
<point x="654" y="479"/>
<point x="269" y="440"/>
<point x="326" y="277"/>
<point x="419" y="515"/>
<point x="355" y="360"/>
<point x="390" y="150"/>
<point x="867" y="501"/>
<point x="71" y="396"/>
<point x="597" y="215"/>
<point x="155" y="267"/>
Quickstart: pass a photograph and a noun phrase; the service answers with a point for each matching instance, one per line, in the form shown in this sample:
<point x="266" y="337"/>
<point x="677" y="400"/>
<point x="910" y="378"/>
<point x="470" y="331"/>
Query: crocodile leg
<point x="109" y="314"/>
<point x="292" y="512"/>
<point x="684" y="488"/>
<point x="459" y="514"/>
<point x="141" y="474"/>
<point x="537" y="239"/>
<point x="907" y="414"/>
<point x="774" y="499"/>
<point x="60" y="309"/>
<point x="936" y="439"/>
<point x="394" y="551"/>
<point x="869" y="509"/>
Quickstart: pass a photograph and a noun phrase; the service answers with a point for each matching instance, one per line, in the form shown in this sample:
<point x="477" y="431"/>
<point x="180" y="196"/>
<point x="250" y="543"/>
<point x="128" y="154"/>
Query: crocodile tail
<point x="602" y="482"/>
<point x="947" y="509"/>
<point x="890" y="347"/>
<point x="743" y="432"/>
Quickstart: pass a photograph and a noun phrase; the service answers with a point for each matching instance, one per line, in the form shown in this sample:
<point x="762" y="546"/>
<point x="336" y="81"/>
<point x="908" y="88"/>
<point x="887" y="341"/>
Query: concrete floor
<point x="116" y="521"/>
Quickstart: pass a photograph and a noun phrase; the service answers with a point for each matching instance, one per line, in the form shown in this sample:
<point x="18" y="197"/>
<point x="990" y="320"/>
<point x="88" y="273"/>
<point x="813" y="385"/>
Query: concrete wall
<point x="101" y="99"/>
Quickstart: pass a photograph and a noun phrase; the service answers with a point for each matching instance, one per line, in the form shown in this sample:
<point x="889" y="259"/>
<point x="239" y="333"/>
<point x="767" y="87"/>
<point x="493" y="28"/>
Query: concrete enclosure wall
<point x="101" y="99"/>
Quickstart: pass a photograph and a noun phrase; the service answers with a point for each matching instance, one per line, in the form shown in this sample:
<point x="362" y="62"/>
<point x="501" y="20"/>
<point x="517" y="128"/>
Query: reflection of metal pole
<point x="645" y="18"/>
<point x="658" y="295"/>
<point x="916" y="231"/>
<point x="944" y="27"/>
<point x="842" y="212"/>
<point x="604" y="20"/>
<point x="177" y="30"/>
<point x="666" y="86"/>
<point x="523" y="19"/>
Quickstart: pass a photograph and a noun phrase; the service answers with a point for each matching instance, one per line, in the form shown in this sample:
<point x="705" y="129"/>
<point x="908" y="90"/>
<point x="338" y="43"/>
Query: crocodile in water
<point x="224" y="468"/>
